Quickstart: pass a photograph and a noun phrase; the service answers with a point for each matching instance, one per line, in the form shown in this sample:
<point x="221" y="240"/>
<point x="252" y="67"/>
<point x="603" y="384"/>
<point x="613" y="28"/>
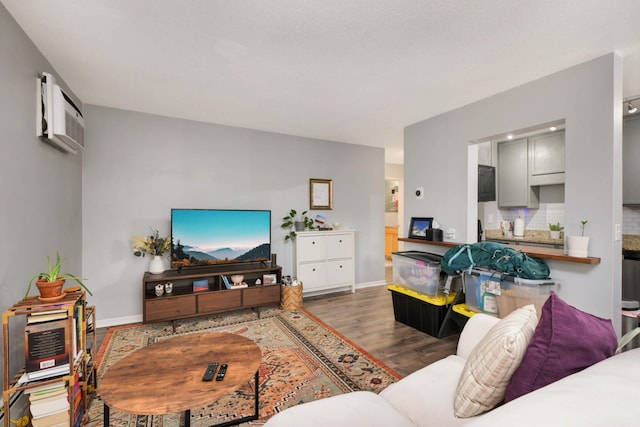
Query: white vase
<point x="577" y="246"/>
<point x="555" y="234"/>
<point x="156" y="266"/>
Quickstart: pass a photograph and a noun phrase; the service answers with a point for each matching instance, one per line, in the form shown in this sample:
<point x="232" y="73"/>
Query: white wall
<point x="139" y="166"/>
<point x="40" y="186"/>
<point x="589" y="98"/>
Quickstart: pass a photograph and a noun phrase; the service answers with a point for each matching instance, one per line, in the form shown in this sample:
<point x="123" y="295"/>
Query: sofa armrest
<point x="474" y="330"/>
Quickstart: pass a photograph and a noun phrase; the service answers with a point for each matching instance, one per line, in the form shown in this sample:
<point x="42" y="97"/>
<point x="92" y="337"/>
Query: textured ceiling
<point x="354" y="71"/>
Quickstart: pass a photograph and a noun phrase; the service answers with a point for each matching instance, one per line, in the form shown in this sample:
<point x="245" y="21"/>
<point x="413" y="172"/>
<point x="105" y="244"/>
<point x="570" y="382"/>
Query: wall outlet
<point x="420" y="193"/>
<point x="450" y="233"/>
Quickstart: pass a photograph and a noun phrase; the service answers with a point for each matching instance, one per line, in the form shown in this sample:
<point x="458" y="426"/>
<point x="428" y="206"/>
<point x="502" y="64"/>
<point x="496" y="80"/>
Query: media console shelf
<point x="184" y="301"/>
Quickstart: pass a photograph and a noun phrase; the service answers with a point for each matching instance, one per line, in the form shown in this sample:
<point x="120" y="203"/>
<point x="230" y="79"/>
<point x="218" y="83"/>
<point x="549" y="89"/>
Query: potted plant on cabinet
<point x="555" y="229"/>
<point x="577" y="246"/>
<point x="294" y="223"/>
<point x="51" y="282"/>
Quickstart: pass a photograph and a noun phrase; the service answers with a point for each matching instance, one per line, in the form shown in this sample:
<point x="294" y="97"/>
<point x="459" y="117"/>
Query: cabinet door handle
<point x="314" y="269"/>
<point x="313" y="243"/>
<point x="340" y="240"/>
<point x="340" y="266"/>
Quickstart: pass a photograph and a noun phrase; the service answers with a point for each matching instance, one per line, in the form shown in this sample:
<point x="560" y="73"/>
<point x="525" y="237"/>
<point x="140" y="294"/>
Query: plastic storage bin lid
<point x="426" y="257"/>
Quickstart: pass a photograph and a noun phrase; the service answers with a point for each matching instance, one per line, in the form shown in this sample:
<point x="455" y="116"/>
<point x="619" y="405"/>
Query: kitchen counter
<point x="530" y="236"/>
<point x="538" y="252"/>
<point x="631" y="242"/>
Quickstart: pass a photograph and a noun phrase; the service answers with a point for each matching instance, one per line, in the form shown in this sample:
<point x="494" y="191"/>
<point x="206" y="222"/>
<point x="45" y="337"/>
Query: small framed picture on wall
<point x="320" y="194"/>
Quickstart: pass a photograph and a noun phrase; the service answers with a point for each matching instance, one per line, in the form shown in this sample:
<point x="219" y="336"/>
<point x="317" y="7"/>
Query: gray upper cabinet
<point x="631" y="161"/>
<point x="546" y="159"/>
<point x="514" y="189"/>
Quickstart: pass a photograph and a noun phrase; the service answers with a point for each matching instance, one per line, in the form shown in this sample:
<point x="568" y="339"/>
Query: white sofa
<point x="605" y="394"/>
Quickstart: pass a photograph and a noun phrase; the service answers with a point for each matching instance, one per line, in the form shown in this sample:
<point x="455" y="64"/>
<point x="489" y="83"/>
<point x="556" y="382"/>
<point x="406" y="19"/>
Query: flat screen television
<point x="207" y="237"/>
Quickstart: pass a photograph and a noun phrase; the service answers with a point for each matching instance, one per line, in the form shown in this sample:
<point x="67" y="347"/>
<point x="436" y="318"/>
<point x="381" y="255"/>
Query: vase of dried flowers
<point x="153" y="245"/>
<point x="156" y="265"/>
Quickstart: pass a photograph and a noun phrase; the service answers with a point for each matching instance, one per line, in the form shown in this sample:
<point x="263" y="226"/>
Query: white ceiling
<point x="354" y="71"/>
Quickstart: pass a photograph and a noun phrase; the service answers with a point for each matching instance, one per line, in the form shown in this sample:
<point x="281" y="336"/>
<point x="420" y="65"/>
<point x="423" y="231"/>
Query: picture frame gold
<point x="320" y="194"/>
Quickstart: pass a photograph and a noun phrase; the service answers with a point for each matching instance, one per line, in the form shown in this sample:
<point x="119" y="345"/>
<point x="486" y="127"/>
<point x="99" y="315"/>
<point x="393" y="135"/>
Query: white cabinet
<point x="546" y="159"/>
<point x="325" y="260"/>
<point x="513" y="176"/>
<point x="527" y="163"/>
<point x="631" y="160"/>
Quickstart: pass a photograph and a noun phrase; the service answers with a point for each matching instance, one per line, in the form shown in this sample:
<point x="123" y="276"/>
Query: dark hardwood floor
<point x="366" y="319"/>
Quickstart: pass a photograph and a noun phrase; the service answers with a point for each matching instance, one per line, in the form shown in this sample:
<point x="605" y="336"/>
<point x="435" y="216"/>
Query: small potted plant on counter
<point x="577" y="246"/>
<point x="555" y="229"/>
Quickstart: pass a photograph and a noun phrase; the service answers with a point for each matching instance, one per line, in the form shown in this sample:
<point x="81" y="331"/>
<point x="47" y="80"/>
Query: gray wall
<point x="589" y="98"/>
<point x="139" y="166"/>
<point x="40" y="186"/>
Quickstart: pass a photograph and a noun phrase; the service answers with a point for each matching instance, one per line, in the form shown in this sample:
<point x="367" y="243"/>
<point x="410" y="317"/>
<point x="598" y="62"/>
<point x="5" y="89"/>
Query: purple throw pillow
<point x="566" y="341"/>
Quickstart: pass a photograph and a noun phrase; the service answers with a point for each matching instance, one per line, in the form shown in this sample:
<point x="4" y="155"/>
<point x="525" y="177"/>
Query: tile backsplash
<point x="551" y="213"/>
<point x="631" y="220"/>
<point x="536" y="219"/>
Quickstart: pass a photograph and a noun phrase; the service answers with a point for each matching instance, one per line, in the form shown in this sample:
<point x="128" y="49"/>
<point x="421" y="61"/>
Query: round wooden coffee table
<point x="166" y="377"/>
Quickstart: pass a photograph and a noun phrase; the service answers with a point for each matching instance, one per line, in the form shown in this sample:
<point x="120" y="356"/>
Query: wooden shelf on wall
<point x="535" y="251"/>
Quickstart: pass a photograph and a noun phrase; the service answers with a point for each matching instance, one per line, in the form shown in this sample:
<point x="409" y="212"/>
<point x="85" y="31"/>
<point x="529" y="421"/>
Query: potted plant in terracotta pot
<point x="51" y="282"/>
<point x="296" y="223"/>
<point x="577" y="246"/>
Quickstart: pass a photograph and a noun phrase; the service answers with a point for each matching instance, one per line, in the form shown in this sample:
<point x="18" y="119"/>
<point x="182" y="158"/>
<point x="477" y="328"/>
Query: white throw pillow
<point x="493" y="361"/>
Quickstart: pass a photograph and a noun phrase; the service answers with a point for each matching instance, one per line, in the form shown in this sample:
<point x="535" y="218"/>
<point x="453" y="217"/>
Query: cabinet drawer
<point x="311" y="248"/>
<point x="219" y="300"/>
<point x="166" y="308"/>
<point x="259" y="295"/>
<point x="340" y="246"/>
<point x="339" y="271"/>
<point x="312" y="275"/>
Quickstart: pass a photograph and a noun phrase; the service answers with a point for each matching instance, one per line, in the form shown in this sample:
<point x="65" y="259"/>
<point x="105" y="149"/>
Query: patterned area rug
<point x="302" y="360"/>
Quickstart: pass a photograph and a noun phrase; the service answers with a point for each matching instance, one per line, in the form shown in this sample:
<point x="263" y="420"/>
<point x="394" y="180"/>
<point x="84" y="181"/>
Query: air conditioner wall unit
<point x="59" y="120"/>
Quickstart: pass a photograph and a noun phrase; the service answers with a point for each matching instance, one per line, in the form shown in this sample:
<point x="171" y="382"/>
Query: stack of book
<point x="46" y="346"/>
<point x="46" y="350"/>
<point x="49" y="405"/>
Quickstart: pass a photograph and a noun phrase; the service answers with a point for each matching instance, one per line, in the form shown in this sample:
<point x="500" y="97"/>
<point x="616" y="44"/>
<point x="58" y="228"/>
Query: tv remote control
<point x="221" y="372"/>
<point x="210" y="372"/>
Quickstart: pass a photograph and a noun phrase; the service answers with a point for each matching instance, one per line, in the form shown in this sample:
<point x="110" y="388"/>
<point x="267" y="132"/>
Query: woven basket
<point x="291" y="297"/>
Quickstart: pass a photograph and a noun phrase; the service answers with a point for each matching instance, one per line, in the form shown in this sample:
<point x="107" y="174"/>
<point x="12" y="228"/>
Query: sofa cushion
<point x="492" y="362"/>
<point x="425" y="397"/>
<point x="605" y="394"/>
<point x="473" y="332"/>
<point x="359" y="408"/>
<point x="566" y="341"/>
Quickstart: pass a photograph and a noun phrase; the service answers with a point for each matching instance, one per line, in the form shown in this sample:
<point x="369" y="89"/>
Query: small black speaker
<point x="434" y="234"/>
<point x="273" y="260"/>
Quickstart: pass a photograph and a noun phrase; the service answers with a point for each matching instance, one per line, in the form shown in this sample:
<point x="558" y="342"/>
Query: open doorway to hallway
<point x="393" y="213"/>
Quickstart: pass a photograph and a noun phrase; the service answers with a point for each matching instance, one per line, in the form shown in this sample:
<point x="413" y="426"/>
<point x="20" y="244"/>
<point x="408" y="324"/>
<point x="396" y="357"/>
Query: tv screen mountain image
<point x="201" y="237"/>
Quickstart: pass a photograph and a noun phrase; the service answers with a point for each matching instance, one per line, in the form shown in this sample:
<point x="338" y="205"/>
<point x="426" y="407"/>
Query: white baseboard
<point x="371" y="284"/>
<point x="116" y="321"/>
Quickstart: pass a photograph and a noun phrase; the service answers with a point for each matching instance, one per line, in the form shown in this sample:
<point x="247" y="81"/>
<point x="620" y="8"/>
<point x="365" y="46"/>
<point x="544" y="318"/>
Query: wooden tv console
<point x="184" y="302"/>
